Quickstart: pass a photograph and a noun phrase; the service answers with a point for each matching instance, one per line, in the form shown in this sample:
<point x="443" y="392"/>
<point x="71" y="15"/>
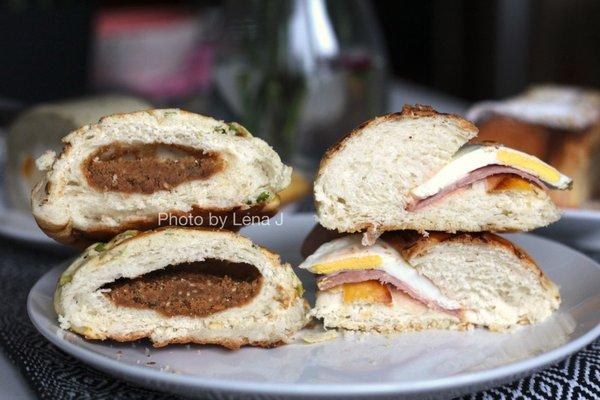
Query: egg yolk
<point x="366" y="262"/>
<point x="507" y="182"/>
<point x="517" y="160"/>
<point x="368" y="291"/>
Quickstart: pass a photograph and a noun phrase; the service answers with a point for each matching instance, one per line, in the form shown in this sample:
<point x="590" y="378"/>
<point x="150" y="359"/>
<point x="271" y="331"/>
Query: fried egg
<point x="347" y="253"/>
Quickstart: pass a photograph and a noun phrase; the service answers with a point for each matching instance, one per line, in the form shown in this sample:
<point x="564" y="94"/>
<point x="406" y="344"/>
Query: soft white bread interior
<point x="67" y="206"/>
<point x="364" y="182"/>
<point x="476" y="208"/>
<point x="497" y="285"/>
<point x="403" y="315"/>
<point x="269" y="318"/>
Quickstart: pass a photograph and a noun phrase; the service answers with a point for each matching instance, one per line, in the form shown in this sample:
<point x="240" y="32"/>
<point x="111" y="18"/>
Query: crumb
<point x="46" y="160"/>
<point x="319" y="337"/>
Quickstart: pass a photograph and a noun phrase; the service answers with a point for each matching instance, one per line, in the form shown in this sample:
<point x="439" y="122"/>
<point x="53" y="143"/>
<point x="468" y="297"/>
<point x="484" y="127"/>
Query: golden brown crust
<point x="234" y="219"/>
<point x="223" y="342"/>
<point x="227" y="343"/>
<point x="410" y="244"/>
<point x="368" y="226"/>
<point x="408" y="112"/>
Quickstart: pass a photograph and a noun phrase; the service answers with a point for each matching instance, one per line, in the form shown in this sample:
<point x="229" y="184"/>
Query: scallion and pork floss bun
<point x="127" y="170"/>
<point x="181" y="285"/>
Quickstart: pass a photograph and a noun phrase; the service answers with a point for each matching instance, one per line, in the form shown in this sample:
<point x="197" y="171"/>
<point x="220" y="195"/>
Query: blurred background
<point x="298" y="73"/>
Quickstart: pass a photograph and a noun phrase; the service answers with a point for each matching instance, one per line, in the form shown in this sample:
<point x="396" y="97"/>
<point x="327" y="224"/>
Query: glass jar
<point x="300" y="73"/>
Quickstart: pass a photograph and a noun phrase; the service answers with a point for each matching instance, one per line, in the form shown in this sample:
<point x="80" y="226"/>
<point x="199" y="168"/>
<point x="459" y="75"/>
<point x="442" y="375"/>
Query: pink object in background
<point x="159" y="53"/>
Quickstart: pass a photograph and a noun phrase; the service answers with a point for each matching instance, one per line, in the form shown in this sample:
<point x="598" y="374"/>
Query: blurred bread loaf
<point x="42" y="127"/>
<point x="559" y="124"/>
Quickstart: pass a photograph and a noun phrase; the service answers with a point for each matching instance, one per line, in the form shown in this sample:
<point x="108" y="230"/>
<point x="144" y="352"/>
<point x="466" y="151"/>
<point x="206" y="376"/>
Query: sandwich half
<point x="154" y="168"/>
<point x="414" y="170"/>
<point x="405" y="282"/>
<point x="181" y="285"/>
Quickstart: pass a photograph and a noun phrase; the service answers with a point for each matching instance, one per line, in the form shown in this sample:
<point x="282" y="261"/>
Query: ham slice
<point x="325" y="282"/>
<point x="472" y="177"/>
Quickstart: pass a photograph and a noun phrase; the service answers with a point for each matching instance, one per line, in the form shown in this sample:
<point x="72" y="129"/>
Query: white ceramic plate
<point x="17" y="224"/>
<point x="577" y="228"/>
<point x="425" y="364"/>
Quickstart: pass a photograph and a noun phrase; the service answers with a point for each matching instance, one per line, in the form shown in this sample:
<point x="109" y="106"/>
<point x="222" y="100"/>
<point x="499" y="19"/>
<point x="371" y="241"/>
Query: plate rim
<point x="8" y="215"/>
<point x="139" y="373"/>
<point x="581" y="214"/>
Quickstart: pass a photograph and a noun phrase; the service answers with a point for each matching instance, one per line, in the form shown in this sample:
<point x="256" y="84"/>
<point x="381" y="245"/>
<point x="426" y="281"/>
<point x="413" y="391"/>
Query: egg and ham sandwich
<point x="406" y="282"/>
<point x="426" y="201"/>
<point x="414" y="170"/>
<point x="477" y="162"/>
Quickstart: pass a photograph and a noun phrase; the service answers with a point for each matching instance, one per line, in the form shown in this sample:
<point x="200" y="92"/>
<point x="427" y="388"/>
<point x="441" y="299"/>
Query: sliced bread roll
<point x="405" y="171"/>
<point x="405" y="281"/>
<point x="154" y="168"/>
<point x="181" y="285"/>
